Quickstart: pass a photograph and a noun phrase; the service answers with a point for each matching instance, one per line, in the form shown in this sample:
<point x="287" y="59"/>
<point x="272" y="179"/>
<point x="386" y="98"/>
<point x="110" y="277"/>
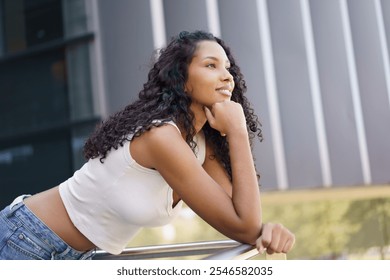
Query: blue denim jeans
<point x="25" y="237"/>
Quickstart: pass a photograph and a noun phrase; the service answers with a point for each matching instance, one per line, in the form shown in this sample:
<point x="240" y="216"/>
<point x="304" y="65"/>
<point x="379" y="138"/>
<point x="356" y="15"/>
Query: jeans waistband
<point x="18" y="202"/>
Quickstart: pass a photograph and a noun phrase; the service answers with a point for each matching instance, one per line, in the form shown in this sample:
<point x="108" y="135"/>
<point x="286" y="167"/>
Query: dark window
<point x="33" y="93"/>
<point x="35" y="165"/>
<point x="31" y="22"/>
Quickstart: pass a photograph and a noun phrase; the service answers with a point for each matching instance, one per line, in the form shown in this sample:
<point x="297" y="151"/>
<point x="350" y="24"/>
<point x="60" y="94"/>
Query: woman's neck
<point x="199" y="117"/>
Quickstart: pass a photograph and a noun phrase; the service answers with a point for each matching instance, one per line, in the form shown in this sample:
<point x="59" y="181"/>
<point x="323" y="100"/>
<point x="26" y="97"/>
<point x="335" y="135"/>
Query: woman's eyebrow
<point x="227" y="61"/>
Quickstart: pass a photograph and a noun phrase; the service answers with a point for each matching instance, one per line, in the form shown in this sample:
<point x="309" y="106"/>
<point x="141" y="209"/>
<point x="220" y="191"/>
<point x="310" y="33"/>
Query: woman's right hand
<point x="226" y="117"/>
<point x="275" y="238"/>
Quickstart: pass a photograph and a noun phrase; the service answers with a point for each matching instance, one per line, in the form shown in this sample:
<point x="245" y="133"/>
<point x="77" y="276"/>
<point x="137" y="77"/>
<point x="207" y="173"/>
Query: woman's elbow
<point x="249" y="235"/>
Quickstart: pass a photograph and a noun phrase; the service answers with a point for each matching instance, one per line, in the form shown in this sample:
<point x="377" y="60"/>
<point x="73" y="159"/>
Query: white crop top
<point x="110" y="202"/>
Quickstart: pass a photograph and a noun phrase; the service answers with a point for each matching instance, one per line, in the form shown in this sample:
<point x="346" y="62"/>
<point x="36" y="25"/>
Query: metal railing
<point x="215" y="250"/>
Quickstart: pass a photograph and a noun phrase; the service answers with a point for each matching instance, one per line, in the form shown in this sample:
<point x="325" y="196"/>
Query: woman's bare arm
<point x="238" y="215"/>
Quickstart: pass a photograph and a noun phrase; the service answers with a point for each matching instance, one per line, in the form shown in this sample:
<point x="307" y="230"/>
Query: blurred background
<point x="318" y="76"/>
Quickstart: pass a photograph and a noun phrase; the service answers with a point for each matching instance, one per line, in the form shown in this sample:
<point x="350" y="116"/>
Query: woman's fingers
<point x="275" y="238"/>
<point x="289" y="244"/>
<point x="259" y="245"/>
<point x="209" y="116"/>
<point x="211" y="119"/>
<point x="226" y="117"/>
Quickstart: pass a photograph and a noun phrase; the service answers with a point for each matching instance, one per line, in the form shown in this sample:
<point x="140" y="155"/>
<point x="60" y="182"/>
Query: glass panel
<point x="29" y="23"/>
<point x="79" y="82"/>
<point x="79" y="136"/>
<point x="1" y="29"/>
<point x="33" y="93"/>
<point x="34" y="166"/>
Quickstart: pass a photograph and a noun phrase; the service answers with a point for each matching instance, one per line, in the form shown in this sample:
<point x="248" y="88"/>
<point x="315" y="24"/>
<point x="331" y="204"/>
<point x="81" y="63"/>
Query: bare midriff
<point x="49" y="208"/>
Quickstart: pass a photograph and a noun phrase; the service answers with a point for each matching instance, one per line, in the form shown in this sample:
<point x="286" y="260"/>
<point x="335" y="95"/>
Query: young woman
<point x="186" y="139"/>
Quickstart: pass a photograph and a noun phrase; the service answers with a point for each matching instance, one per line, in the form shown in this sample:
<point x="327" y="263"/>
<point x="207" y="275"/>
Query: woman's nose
<point x="227" y="76"/>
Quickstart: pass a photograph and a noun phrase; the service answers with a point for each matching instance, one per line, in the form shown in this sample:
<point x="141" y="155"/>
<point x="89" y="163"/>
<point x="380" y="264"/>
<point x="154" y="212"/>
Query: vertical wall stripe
<point x="98" y="74"/>
<point x="272" y="96"/>
<point x="316" y="94"/>
<point x="213" y="17"/>
<point x="158" y="23"/>
<point x="383" y="43"/>
<point x="355" y="93"/>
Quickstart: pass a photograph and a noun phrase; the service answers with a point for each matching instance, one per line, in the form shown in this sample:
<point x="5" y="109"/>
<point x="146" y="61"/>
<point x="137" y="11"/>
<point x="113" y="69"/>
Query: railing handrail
<point x="219" y="250"/>
<point x="239" y="252"/>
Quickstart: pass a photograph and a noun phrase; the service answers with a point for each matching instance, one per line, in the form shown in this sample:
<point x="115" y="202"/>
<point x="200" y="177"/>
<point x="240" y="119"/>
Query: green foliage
<point x="318" y="227"/>
<point x="372" y="217"/>
<point x="335" y="229"/>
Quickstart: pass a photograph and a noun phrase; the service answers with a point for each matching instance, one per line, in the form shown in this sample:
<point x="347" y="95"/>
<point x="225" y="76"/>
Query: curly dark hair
<point x="163" y="98"/>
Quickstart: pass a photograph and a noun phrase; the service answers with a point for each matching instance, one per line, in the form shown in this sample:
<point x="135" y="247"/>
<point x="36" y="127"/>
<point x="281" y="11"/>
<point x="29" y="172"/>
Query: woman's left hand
<point x="275" y="238"/>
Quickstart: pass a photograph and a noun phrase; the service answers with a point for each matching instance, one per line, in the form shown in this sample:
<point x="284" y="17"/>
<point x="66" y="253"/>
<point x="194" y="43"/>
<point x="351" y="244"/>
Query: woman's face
<point x="209" y="80"/>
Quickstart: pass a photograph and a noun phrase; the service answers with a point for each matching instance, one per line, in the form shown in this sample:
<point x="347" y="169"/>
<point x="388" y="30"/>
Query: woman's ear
<point x="187" y="88"/>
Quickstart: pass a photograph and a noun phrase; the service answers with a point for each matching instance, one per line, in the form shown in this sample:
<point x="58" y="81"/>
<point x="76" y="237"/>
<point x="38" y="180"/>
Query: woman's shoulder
<point x="169" y="122"/>
<point x="166" y="134"/>
<point x="156" y="144"/>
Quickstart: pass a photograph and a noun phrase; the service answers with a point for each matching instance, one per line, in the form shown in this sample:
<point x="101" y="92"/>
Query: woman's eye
<point x="211" y="65"/>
